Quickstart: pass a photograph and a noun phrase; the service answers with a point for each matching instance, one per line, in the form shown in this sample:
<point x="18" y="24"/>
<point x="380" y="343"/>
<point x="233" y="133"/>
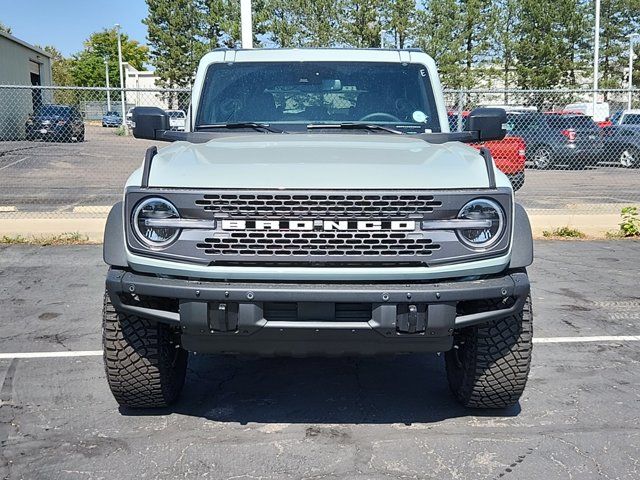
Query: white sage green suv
<point x="316" y="204"/>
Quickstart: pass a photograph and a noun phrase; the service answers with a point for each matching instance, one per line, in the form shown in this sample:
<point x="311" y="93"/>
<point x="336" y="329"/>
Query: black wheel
<point x="542" y="158"/>
<point x="144" y="363"/>
<point x="629" y="157"/>
<point x="81" y="137"/>
<point x="489" y="364"/>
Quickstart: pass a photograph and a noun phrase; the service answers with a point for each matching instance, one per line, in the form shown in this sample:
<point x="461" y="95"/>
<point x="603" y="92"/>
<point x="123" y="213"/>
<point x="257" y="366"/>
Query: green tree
<point x="619" y="18"/>
<point x="61" y="67"/>
<point x="62" y="75"/>
<point x="545" y="45"/>
<point x="475" y="26"/>
<point x="280" y="22"/>
<point x="362" y="22"/>
<point x="303" y="23"/>
<point x="87" y="67"/>
<point x="4" y="28"/>
<point x="221" y="22"/>
<point x="174" y="34"/>
<point x="401" y="16"/>
<point x="505" y="15"/>
<point x="439" y="35"/>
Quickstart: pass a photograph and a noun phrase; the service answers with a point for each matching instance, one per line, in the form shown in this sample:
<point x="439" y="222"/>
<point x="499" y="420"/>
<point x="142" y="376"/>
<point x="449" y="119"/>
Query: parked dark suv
<point x="622" y="145"/>
<point x="558" y="139"/>
<point x="55" y="123"/>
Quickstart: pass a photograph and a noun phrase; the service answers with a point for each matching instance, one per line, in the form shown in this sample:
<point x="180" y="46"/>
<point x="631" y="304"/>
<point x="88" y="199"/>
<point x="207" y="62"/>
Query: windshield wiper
<point x="354" y="126"/>
<point x="261" y="127"/>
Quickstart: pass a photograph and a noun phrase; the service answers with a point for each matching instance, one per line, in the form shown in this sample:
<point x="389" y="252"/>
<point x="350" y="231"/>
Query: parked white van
<point x="600" y="114"/>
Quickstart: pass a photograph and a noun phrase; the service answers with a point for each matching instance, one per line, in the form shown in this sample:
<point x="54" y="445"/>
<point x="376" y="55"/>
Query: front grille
<point x="337" y="312"/>
<point x="327" y="206"/>
<point x="319" y="244"/>
<point x="317" y="228"/>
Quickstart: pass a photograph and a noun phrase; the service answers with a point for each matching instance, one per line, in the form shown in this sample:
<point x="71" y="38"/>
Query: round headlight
<point x="488" y="211"/>
<point x="155" y="209"/>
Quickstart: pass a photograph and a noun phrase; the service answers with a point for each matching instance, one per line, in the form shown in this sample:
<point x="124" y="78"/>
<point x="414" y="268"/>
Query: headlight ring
<point x="482" y="209"/>
<point x="155" y="208"/>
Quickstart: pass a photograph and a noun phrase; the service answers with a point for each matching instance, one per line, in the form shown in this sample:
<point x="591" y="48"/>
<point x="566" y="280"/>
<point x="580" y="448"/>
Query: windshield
<point x="522" y="122"/>
<point x="115" y="114"/>
<point x="578" y="122"/>
<point x="290" y="94"/>
<point x="631" y="119"/>
<point x="53" y="111"/>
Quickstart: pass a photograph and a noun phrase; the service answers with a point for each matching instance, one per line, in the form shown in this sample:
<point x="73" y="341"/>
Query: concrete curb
<point x="594" y="226"/>
<point x="92" y="228"/>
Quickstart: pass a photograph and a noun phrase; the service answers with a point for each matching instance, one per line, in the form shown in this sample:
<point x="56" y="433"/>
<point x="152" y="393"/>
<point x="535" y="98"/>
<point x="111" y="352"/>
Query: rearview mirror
<point x="490" y="123"/>
<point x="149" y="122"/>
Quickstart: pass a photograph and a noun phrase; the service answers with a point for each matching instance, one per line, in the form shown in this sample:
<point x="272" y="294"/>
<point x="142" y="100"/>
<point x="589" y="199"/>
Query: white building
<point x="148" y="82"/>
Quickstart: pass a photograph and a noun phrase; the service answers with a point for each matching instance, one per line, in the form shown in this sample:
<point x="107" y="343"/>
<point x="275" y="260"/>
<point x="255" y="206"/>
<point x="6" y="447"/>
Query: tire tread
<point x="495" y="363"/>
<point x="144" y="366"/>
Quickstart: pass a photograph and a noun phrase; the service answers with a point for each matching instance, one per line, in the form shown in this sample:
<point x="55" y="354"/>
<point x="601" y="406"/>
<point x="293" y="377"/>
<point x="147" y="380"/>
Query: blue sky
<point x="65" y="24"/>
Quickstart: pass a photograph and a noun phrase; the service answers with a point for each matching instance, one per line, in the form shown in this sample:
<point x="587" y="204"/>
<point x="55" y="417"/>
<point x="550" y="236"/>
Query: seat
<point x="261" y="108"/>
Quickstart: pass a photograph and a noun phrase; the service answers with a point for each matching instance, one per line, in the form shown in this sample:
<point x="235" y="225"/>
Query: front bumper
<point x="232" y="317"/>
<point x="54" y="132"/>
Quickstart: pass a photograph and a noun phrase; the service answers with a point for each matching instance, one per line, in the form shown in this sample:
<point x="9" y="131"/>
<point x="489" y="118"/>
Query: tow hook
<point x="413" y="320"/>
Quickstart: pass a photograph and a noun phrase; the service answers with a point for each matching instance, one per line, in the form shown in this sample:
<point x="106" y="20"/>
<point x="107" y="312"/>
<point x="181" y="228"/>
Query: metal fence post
<point x="461" y="103"/>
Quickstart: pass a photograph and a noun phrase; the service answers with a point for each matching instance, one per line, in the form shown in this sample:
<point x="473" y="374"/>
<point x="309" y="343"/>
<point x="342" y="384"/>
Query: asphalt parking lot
<point x="366" y="418"/>
<point x="67" y="178"/>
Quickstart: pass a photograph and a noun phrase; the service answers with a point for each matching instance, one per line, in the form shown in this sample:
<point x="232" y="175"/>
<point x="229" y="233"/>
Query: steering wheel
<point x="380" y="116"/>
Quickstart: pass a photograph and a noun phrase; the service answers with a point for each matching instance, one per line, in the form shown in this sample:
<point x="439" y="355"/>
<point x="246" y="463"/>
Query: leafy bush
<point x="563" y="232"/>
<point x="630" y="226"/>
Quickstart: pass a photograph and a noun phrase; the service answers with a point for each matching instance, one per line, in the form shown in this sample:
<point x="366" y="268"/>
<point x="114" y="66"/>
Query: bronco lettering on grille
<point x="321" y="225"/>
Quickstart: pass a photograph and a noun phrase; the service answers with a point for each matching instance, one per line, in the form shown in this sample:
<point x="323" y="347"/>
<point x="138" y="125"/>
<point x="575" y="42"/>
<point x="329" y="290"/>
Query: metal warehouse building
<point x="20" y="64"/>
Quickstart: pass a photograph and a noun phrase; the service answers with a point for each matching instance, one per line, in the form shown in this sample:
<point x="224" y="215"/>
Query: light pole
<point x="382" y="34"/>
<point x="596" y="56"/>
<point x="106" y="75"/>
<point x="631" y="38"/>
<point x="122" y="102"/>
<point x="246" y="24"/>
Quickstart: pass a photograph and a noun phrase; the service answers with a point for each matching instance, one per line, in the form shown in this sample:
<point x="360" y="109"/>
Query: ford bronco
<point x="317" y="204"/>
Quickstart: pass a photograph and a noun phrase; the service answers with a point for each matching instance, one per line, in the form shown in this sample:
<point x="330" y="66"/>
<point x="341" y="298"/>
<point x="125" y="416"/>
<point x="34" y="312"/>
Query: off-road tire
<point x="144" y="364"/>
<point x="489" y="364"/>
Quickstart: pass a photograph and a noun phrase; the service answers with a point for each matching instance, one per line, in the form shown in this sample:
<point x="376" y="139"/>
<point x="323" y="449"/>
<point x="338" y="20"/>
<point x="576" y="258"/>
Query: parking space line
<point x="594" y="339"/>
<point x="541" y="340"/>
<point x="81" y="353"/>
<point x="7" y="208"/>
<point x="13" y="163"/>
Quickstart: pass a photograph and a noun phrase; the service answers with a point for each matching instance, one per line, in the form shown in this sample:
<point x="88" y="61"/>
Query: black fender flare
<point x="114" y="247"/>
<point x="522" y="249"/>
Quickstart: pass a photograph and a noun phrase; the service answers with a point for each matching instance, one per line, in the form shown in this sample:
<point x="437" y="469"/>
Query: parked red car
<point x="508" y="154"/>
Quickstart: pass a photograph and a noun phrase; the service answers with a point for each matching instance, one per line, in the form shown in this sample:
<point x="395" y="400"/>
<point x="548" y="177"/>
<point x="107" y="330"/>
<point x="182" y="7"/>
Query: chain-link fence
<point x="67" y="151"/>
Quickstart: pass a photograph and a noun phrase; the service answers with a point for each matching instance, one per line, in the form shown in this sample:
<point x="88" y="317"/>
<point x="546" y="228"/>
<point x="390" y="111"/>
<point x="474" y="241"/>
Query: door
<point x="36" y="93"/>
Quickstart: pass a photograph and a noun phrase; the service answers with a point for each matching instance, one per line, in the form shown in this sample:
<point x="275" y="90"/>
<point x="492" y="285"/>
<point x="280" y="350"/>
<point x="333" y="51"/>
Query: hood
<point x="318" y="161"/>
<point x="48" y="118"/>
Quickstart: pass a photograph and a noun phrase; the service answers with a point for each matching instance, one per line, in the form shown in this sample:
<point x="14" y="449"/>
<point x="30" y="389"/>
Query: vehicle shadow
<point x="369" y="390"/>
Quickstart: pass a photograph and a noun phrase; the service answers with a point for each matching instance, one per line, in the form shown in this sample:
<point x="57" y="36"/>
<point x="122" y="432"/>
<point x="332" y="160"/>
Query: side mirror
<point x="490" y="123"/>
<point x="149" y="122"/>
